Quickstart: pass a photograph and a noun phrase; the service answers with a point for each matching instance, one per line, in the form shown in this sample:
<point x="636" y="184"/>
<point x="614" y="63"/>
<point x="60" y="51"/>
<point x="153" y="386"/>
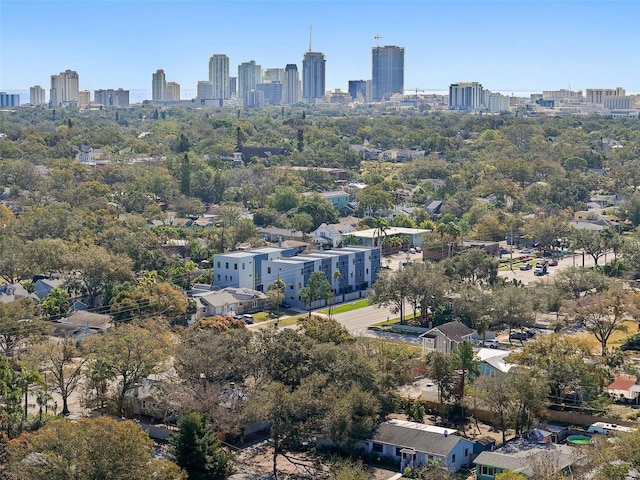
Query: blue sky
<point x="508" y="46"/>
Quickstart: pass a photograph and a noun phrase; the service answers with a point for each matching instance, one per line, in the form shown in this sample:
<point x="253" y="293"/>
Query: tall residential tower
<point x="219" y="76"/>
<point x="249" y="75"/>
<point x="159" y="86"/>
<point x="387" y="75"/>
<point x="291" y="93"/>
<point x="65" y="89"/>
<point x="313" y="76"/>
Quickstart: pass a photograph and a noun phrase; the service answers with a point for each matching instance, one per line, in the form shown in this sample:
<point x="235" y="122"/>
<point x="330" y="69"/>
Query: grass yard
<point x="347" y="307"/>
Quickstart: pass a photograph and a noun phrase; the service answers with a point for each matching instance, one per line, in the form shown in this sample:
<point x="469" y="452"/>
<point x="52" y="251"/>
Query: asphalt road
<point x="527" y="276"/>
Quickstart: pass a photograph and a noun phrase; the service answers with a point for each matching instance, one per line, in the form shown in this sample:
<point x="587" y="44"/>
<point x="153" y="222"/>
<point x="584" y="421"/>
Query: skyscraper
<point x="291" y="87"/>
<point x="358" y="88"/>
<point x="205" y="89"/>
<point x="65" y="89"/>
<point x="111" y="97"/>
<point x="273" y="75"/>
<point x="387" y="73"/>
<point x="466" y="96"/>
<point x="159" y="86"/>
<point x="313" y="76"/>
<point x="37" y="95"/>
<point x="219" y="76"/>
<point x="249" y="75"/>
<point x="173" y="92"/>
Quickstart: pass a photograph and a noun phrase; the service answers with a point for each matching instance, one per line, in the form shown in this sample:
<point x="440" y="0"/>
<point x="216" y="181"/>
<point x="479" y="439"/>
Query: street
<point x="527" y="276"/>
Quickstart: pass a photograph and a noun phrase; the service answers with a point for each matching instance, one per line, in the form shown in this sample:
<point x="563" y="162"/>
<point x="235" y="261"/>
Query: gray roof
<point x="420" y="440"/>
<point x="518" y="456"/>
<point x="455" y="331"/>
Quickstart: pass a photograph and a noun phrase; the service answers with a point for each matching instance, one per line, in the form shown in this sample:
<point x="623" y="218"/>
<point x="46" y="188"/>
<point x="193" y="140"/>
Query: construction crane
<point x="417" y="89"/>
<point x="378" y="37"/>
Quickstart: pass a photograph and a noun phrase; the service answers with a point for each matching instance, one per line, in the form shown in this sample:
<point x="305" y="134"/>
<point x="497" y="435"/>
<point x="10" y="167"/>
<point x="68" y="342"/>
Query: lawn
<point x="347" y="307"/>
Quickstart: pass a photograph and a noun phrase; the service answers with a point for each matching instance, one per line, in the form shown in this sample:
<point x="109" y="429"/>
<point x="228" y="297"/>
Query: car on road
<point x="553" y="262"/>
<point x="540" y="269"/>
<point x="492" y="344"/>
<point x="525" y="250"/>
<point x="526" y="266"/>
<point x="247" y="318"/>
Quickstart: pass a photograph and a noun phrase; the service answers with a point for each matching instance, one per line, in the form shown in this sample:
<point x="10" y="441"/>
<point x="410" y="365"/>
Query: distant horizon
<point x="516" y="46"/>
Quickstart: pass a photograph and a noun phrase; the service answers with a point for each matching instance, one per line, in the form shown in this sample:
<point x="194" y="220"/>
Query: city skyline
<point x="508" y="46"/>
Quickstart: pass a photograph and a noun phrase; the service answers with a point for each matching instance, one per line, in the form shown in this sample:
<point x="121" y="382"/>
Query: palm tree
<point x="381" y="226"/>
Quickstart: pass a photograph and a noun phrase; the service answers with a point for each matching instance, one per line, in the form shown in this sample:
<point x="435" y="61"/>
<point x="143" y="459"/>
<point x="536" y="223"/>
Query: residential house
<point x="331" y="235"/>
<point x="82" y="324"/>
<point x="371" y="237"/>
<point x="415" y="444"/>
<point x="249" y="152"/>
<point x="13" y="292"/>
<point x="337" y="198"/>
<point x="625" y="390"/>
<point x="521" y="456"/>
<point x="446" y="337"/>
<point x="43" y="286"/>
<point x="434" y="207"/>
<point x="274" y="234"/>
<point x="493" y="362"/>
<point x="338" y="174"/>
<point x="604" y="201"/>
<point x="593" y="226"/>
<point x="229" y="301"/>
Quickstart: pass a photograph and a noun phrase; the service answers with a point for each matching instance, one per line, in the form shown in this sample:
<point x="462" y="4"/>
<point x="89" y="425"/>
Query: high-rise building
<point x="173" y="92"/>
<point x="65" y="89"/>
<point x="84" y="98"/>
<point x="358" y="88"/>
<point x="272" y="92"/>
<point x="273" y="75"/>
<point x="249" y="75"/>
<point x="387" y="72"/>
<point x="9" y="99"/>
<point x="37" y="95"/>
<point x="219" y="76"/>
<point x="233" y="86"/>
<point x="466" y="96"/>
<point x="111" y="97"/>
<point x="291" y="84"/>
<point x="313" y="76"/>
<point x="158" y="86"/>
<point x="205" y="89"/>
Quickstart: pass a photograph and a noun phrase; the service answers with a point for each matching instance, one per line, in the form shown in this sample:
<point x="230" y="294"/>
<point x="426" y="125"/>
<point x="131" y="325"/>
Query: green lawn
<point x="391" y="321"/>
<point x="347" y="307"/>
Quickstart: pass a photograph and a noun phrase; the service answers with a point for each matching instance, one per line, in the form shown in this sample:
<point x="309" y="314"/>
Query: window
<point x="466" y="452"/>
<point x="235" y="266"/>
<point x="268" y="269"/>
<point x="218" y="264"/>
<point x="231" y="278"/>
<point x="218" y="277"/>
<point x="291" y="286"/>
<point x="367" y="271"/>
<point x="377" y="447"/>
<point x="225" y="278"/>
<point x="243" y="265"/>
<point x="453" y="458"/>
<point x="226" y="265"/>
<point x="488" y="471"/>
<point x="398" y="452"/>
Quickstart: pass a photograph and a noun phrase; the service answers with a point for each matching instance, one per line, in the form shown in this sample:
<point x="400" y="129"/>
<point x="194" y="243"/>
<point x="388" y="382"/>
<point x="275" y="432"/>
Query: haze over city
<point x="508" y="46"/>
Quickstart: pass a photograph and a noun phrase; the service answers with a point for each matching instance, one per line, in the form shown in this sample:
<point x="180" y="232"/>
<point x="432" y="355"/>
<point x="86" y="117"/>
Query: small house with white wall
<point x="415" y="444"/>
<point x="445" y="337"/>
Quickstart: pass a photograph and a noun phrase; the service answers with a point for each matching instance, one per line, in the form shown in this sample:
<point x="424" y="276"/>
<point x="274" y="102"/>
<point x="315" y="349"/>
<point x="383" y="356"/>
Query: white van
<point x="604" y="428"/>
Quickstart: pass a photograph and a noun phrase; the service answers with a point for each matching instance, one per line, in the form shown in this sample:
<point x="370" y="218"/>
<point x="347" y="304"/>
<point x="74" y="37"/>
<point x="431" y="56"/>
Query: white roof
<point x="375" y="233"/>
<point x="496" y="358"/>
<point x="422" y="426"/>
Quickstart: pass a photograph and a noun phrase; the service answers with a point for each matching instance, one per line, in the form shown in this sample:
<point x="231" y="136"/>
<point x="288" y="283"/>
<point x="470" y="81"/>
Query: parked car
<point x="492" y="344"/>
<point x="247" y="318"/>
<point x="504" y="251"/>
<point x="519" y="336"/>
<point x="418" y="250"/>
<point x="553" y="262"/>
<point x="526" y="266"/>
<point x="525" y="250"/>
<point x="412" y="250"/>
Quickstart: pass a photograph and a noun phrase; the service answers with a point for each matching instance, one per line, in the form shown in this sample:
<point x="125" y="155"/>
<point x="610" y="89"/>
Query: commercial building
<point x="562" y="96"/>
<point x="173" y="92"/>
<point x="204" y="90"/>
<point x="111" y="97"/>
<point x="273" y="75"/>
<point x="249" y="75"/>
<point x="615" y="102"/>
<point x="84" y="98"/>
<point x="599" y="95"/>
<point x="272" y="92"/>
<point x="358" y="89"/>
<point x="313" y="76"/>
<point x="496" y="102"/>
<point x="291" y="88"/>
<point x="243" y="268"/>
<point x="466" y="96"/>
<point x="158" y="86"/>
<point x="65" y="89"/>
<point x="219" y="77"/>
<point x="387" y="73"/>
<point x="9" y="99"/>
<point x="37" y="96"/>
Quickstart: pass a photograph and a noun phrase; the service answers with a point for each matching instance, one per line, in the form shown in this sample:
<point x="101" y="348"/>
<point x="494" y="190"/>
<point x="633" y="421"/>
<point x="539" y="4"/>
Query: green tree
<point x="593" y="243"/>
<point x="56" y="303"/>
<point x="325" y="330"/>
<point x="317" y="288"/>
<point x="197" y="450"/>
<point x="185" y="176"/>
<point x="88" y="449"/>
<point x="441" y="370"/>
